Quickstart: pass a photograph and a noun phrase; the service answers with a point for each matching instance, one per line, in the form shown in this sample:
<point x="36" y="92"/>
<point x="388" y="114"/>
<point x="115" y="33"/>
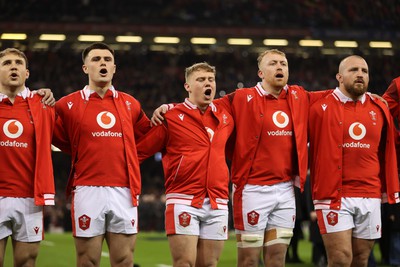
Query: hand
<point x="48" y="97"/>
<point x="158" y="115"/>
<point x="381" y="99"/>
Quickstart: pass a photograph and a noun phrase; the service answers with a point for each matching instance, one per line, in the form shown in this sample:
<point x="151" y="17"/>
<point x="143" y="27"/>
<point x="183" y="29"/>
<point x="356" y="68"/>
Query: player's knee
<point x="250" y="240"/>
<point x="278" y="236"/>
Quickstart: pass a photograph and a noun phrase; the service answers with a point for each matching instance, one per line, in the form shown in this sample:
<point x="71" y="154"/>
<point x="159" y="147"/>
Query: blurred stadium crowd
<point x="291" y="13"/>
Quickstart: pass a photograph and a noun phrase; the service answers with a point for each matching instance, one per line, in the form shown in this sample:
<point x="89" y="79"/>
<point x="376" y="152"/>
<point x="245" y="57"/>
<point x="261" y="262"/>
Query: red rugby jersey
<point x="17" y="148"/>
<point x="276" y="145"/>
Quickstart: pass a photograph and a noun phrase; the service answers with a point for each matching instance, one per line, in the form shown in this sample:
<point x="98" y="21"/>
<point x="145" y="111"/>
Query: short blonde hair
<point x="14" y="51"/>
<point x="199" y="66"/>
<point x="269" y="51"/>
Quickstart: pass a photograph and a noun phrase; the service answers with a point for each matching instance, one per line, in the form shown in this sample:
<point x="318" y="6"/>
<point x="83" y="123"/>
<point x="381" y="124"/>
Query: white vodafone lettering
<point x="106" y="134"/>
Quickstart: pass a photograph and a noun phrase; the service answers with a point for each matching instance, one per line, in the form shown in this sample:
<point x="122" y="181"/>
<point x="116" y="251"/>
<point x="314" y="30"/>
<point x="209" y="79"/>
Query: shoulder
<point x="127" y="97"/>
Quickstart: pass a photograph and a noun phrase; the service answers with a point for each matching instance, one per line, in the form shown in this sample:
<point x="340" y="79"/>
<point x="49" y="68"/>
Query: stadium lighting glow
<point x="316" y="43"/>
<point x="275" y="42"/>
<point x="240" y="41"/>
<point x="349" y="44"/>
<point x="378" y="44"/>
<point x="128" y="39"/>
<point x="52" y="37"/>
<point x="13" y="36"/>
<point x="90" y="38"/>
<point x="203" y="40"/>
<point x="166" y="40"/>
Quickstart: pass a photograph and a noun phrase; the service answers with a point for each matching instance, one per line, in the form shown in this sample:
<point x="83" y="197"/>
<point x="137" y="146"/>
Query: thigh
<point x="338" y="244"/>
<point x="122" y="216"/>
<point x="89" y="204"/>
<point x="88" y="249"/>
<point x="25" y="253"/>
<point x="361" y="250"/>
<point x="3" y="244"/>
<point x="121" y="248"/>
<point x="208" y="252"/>
<point x="183" y="249"/>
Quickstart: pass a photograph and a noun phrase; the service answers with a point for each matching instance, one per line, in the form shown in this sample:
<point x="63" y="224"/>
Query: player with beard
<point x="193" y="139"/>
<point x="353" y="165"/>
<point x="26" y="176"/>
<point x="98" y="126"/>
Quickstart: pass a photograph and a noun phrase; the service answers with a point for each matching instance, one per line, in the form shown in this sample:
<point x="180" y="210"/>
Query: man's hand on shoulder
<point x="48" y="97"/>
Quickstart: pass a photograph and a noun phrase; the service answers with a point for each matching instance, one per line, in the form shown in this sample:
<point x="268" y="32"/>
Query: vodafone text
<point x="14" y="143"/>
<point x="107" y="134"/>
<point x="280" y="133"/>
<point x="356" y="145"/>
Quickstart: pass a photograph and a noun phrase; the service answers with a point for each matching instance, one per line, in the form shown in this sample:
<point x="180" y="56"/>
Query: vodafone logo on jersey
<point x="106" y="120"/>
<point x="357" y="132"/>
<point x="210" y="133"/>
<point x="280" y="119"/>
<point x="13" y="129"/>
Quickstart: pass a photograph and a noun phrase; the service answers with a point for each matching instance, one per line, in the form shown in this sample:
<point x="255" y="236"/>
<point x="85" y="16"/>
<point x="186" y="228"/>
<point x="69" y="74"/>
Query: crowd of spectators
<point x="367" y="14"/>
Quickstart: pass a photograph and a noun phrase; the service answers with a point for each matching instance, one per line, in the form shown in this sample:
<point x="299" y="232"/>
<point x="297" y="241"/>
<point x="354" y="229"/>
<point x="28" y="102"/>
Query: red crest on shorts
<point x="184" y="219"/>
<point x="332" y="218"/>
<point x="252" y="217"/>
<point x="84" y="222"/>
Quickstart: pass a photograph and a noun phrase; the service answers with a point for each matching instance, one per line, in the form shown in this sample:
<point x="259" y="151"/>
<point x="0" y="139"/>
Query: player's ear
<point x="84" y="68"/>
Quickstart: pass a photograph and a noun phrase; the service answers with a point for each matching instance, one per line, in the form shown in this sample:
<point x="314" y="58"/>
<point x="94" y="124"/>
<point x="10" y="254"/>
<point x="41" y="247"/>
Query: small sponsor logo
<point x="36" y="229"/>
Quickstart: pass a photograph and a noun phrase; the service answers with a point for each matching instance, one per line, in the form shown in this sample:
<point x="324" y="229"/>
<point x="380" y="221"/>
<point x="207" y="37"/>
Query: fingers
<point x="48" y="97"/>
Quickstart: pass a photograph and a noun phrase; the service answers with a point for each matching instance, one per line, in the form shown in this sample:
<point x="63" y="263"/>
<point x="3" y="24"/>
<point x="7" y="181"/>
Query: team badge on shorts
<point x="332" y="218"/>
<point x="252" y="217"/>
<point x="84" y="222"/>
<point x="184" y="219"/>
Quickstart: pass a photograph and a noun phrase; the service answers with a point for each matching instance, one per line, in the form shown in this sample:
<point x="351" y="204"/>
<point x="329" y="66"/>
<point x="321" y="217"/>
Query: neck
<point x="11" y="92"/>
<point x="99" y="89"/>
<point x="275" y="91"/>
